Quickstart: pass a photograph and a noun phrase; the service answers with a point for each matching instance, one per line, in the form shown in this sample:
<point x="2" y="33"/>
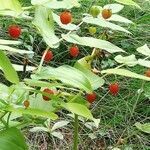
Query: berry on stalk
<point x="114" y="88"/>
<point x="91" y="97"/>
<point x="74" y="51"/>
<point x="106" y="13"/>
<point x="14" y="31"/>
<point x="49" y="56"/>
<point x="47" y="91"/>
<point x="147" y="73"/>
<point x="65" y="17"/>
<point x="26" y="103"/>
<point x="94" y="11"/>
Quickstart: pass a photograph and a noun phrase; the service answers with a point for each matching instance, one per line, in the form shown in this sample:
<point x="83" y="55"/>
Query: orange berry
<point x="147" y="73"/>
<point x="74" y="51"/>
<point x="106" y="13"/>
<point x="49" y="56"/>
<point x="26" y="103"/>
<point x="91" y="97"/>
<point x="65" y="17"/>
<point x="47" y="91"/>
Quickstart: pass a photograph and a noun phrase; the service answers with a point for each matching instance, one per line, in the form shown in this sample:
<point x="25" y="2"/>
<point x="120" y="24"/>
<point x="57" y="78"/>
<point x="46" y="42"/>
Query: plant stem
<point x="76" y="125"/>
<point x="8" y="118"/>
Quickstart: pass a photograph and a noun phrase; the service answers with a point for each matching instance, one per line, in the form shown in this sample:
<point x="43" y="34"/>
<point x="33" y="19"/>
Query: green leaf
<point x="95" y="80"/>
<point x="10" y="8"/>
<point x="114" y="7"/>
<point x="43" y="20"/>
<point x="39" y="129"/>
<point x="78" y="109"/>
<point x="119" y="18"/>
<point x="15" y="50"/>
<point x="128" y="2"/>
<point x="38" y="103"/>
<point x="59" y="124"/>
<point x="7" y="68"/>
<point x="12" y="138"/>
<point x="68" y="75"/>
<point x="126" y="73"/>
<point x="144" y="50"/>
<point x="86" y="61"/>
<point x="9" y="42"/>
<point x="145" y="63"/>
<point x="3" y="91"/>
<point x="143" y="127"/>
<point x="104" y="23"/>
<point x="92" y="42"/>
<point x="39" y="2"/>
<point x="41" y="83"/>
<point x="33" y="112"/>
<point x="20" y="67"/>
<point x="64" y="4"/>
<point x="127" y="60"/>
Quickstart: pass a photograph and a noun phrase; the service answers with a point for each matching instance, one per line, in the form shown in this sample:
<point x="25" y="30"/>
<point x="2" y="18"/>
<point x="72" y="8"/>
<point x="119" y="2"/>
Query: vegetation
<point x="74" y="74"/>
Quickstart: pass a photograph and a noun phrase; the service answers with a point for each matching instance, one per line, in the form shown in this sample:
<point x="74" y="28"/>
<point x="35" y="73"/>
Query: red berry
<point x="65" y="17"/>
<point x="91" y="97"/>
<point x="114" y="88"/>
<point x="26" y="103"/>
<point x="147" y="73"/>
<point x="74" y="51"/>
<point x="14" y="31"/>
<point x="47" y="91"/>
<point x="106" y="13"/>
<point x="49" y="56"/>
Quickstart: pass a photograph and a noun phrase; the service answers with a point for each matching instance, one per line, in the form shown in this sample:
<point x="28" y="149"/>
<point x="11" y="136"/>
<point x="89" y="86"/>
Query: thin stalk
<point x="8" y="118"/>
<point x="42" y="60"/>
<point x="76" y="125"/>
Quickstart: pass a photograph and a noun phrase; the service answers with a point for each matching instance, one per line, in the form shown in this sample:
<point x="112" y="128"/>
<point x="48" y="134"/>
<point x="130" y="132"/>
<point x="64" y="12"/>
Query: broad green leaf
<point x="95" y="80"/>
<point x="116" y="148"/>
<point x="39" y="2"/>
<point x="10" y="7"/>
<point x="15" y="50"/>
<point x="20" y="67"/>
<point x="59" y="124"/>
<point x="58" y="135"/>
<point x="119" y="18"/>
<point x="33" y="112"/>
<point x="64" y="4"/>
<point x="43" y="20"/>
<point x="81" y="110"/>
<point x="143" y="127"/>
<point x="41" y="83"/>
<point x="128" y="60"/>
<point x="104" y="23"/>
<point x="38" y="103"/>
<point x="78" y="109"/>
<point x="9" y="42"/>
<point x="128" y="2"/>
<point x="92" y="42"/>
<point x="69" y="26"/>
<point x="145" y="63"/>
<point x="114" y="7"/>
<point x="126" y="73"/>
<point x="67" y="75"/>
<point x="3" y="92"/>
<point x="144" y="50"/>
<point x="39" y="129"/>
<point x="86" y="62"/>
<point x="12" y="138"/>
<point x="9" y="72"/>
